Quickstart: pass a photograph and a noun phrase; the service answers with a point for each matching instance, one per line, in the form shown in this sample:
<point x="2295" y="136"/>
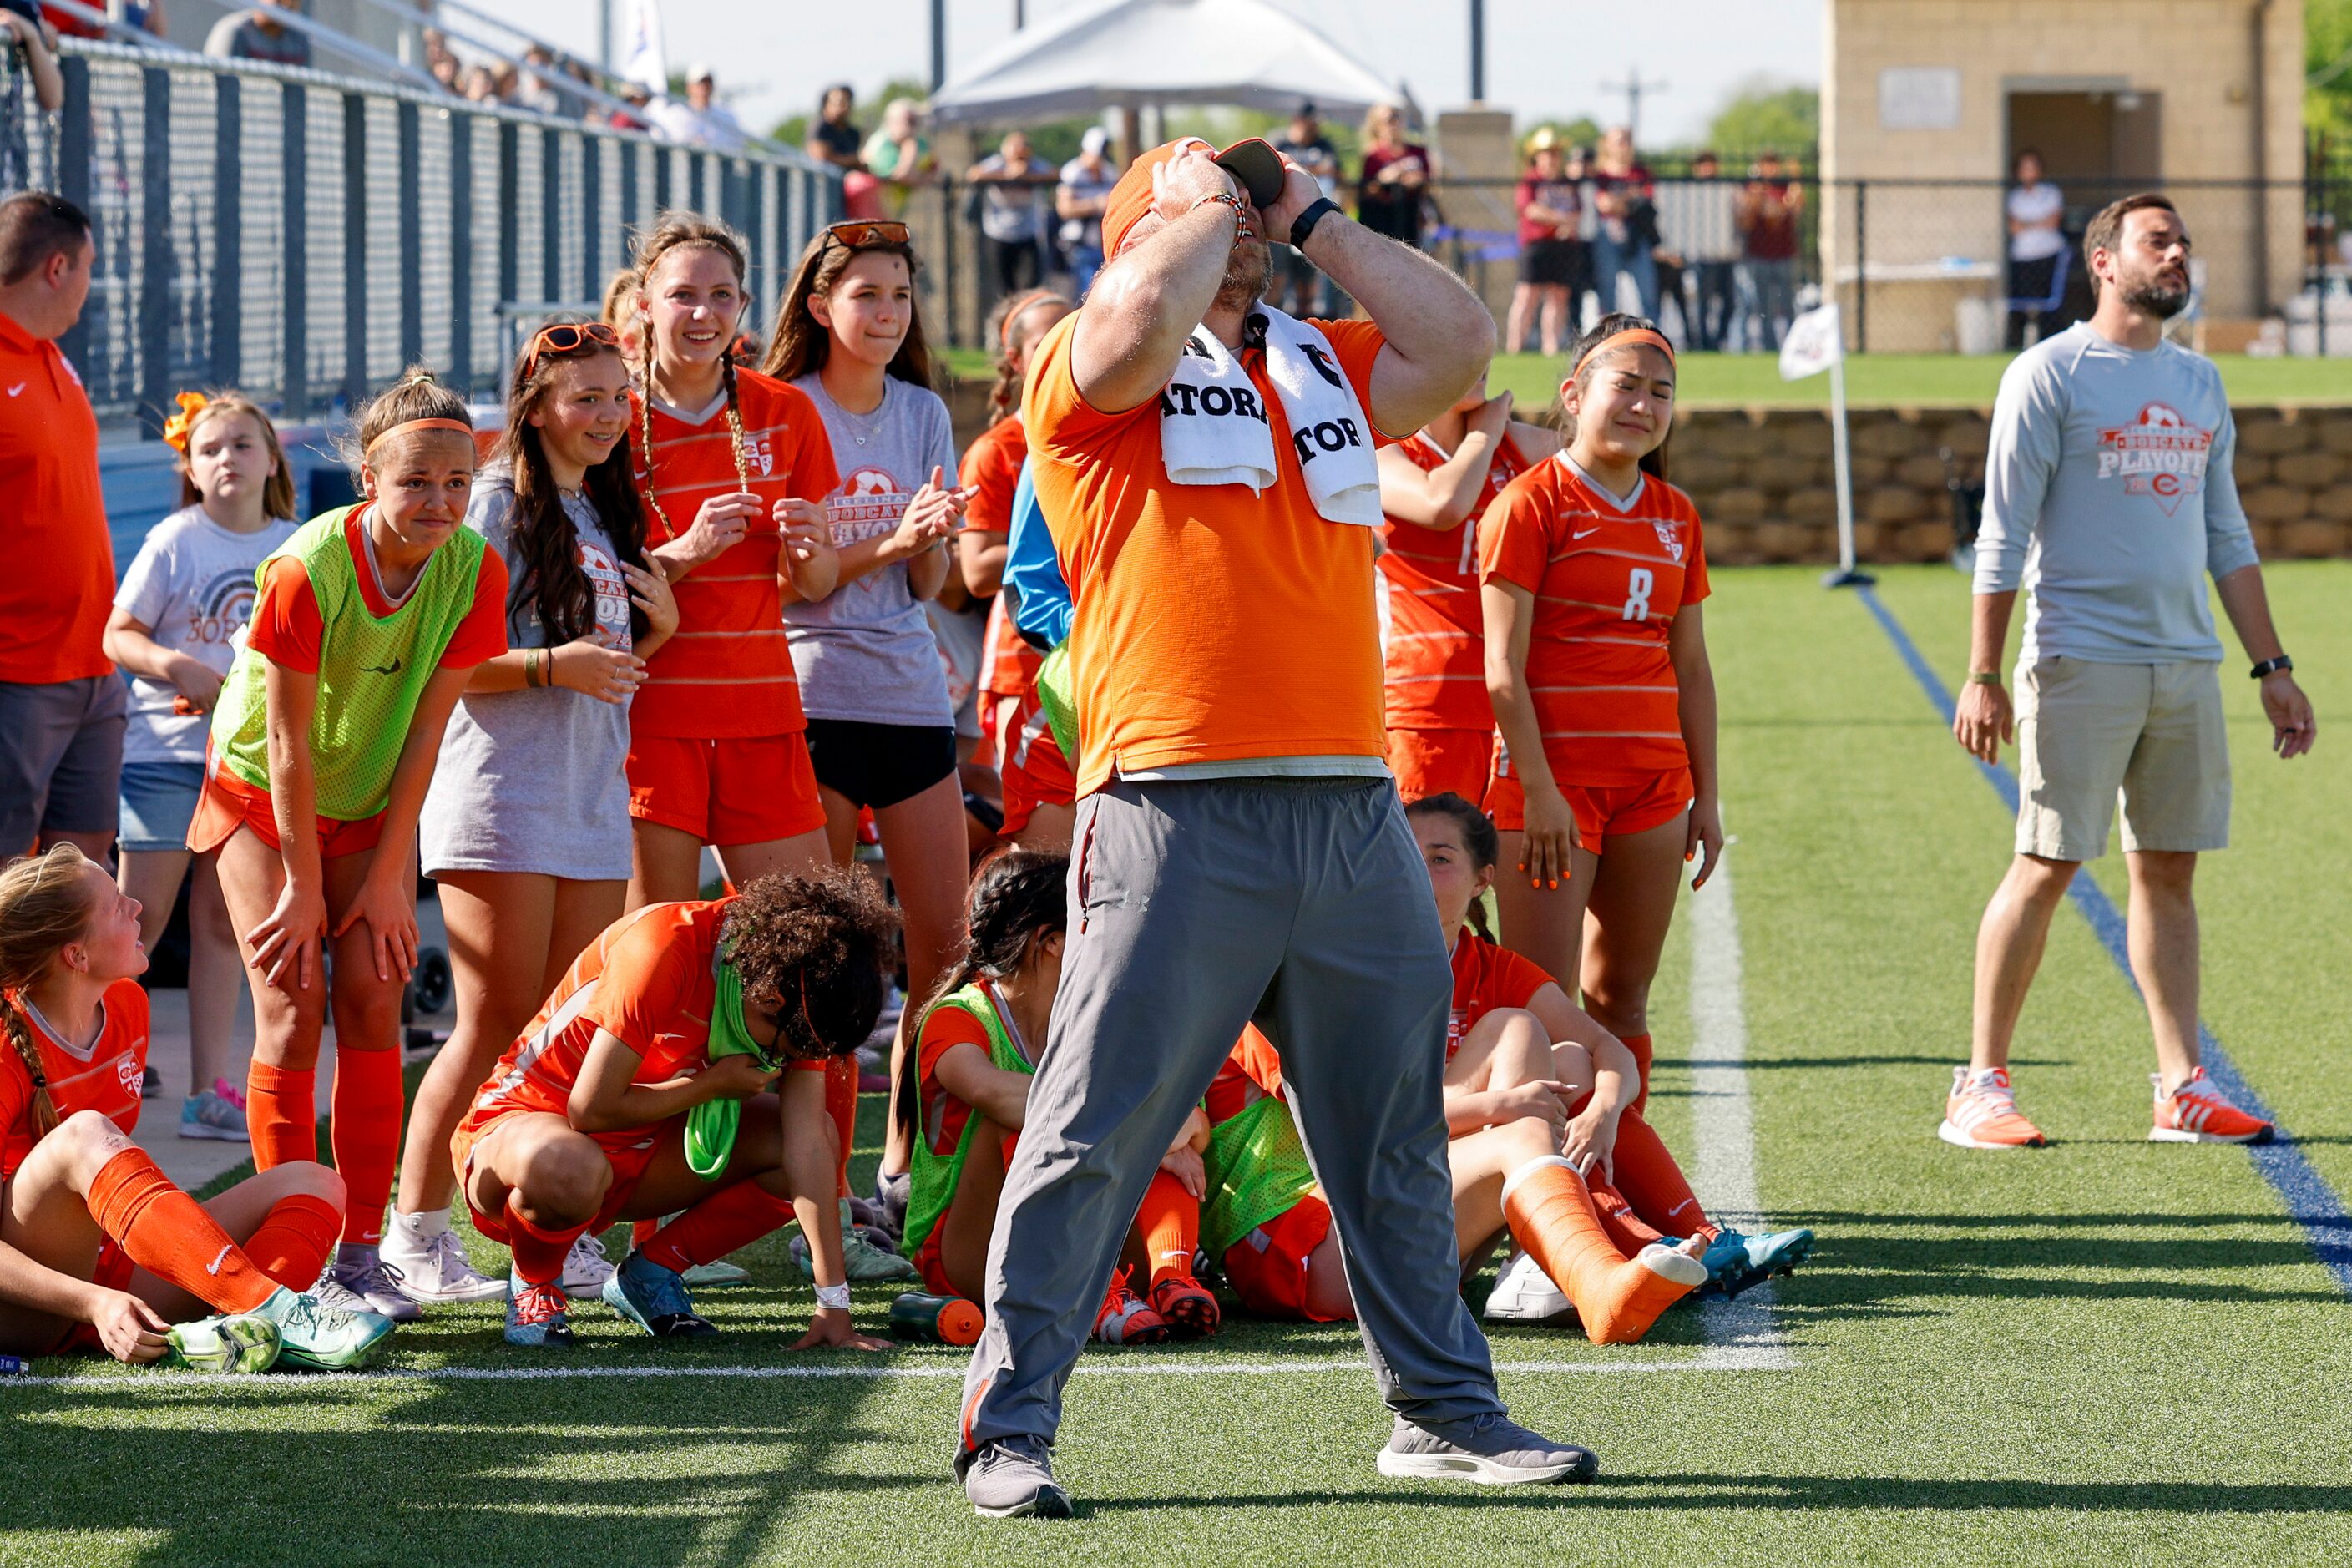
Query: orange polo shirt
<point x="59" y="585"/>
<point x="1212" y="623"/>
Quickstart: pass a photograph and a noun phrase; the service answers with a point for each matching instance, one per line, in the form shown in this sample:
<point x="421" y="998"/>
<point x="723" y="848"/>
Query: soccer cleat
<point x="234" y="1341"/>
<point x="1491" y="1450"/>
<point x="318" y="1336"/>
<point x="585" y="1266"/>
<point x="1125" y="1320"/>
<point x="537" y="1315"/>
<point x="865" y="1255"/>
<point x="1737" y="1262"/>
<point x="2198" y="1112"/>
<point x="719" y="1275"/>
<point x="1012" y="1477"/>
<point x="438" y="1271"/>
<point x="212" y="1115"/>
<point x="653" y="1299"/>
<point x="1523" y="1293"/>
<point x="366" y="1283"/>
<point x="1981" y="1113"/>
<point x="1190" y="1311"/>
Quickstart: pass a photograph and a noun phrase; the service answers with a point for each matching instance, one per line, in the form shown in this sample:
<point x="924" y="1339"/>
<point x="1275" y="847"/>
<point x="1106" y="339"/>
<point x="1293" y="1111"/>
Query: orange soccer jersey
<point x="992" y="467"/>
<point x="105" y="1078"/>
<point x="1608" y="577"/>
<point x="1486" y="977"/>
<point x="728" y="671"/>
<point x="944" y="1116"/>
<point x="1434" y="637"/>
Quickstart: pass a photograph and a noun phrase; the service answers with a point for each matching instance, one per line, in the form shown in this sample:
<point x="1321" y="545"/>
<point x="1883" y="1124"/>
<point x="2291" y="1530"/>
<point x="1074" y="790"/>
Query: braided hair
<point x="44" y="909"/>
<point x="818" y="941"/>
<point x="1013" y="345"/>
<point x="1019" y="898"/>
<point x="550" y="579"/>
<point x="684" y="231"/>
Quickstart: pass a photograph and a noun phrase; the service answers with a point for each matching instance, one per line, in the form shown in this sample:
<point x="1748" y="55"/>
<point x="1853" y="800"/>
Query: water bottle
<point x="935" y="1319"/>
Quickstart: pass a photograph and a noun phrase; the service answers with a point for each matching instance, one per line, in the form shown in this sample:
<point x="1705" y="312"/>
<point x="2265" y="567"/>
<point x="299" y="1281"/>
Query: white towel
<point x="1214" y="428"/>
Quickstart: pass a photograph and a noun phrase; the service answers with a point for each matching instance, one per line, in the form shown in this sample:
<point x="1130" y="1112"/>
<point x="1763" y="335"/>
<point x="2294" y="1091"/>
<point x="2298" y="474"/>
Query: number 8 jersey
<point x="1608" y="577"/>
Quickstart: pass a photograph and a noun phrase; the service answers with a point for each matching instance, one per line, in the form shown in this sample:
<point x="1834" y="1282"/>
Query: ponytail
<point x="44" y="909"/>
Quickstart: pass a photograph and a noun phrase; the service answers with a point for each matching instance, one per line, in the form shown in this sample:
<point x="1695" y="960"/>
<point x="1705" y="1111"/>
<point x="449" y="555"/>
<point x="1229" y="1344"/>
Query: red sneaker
<point x="1125" y="1320"/>
<point x="1981" y="1113"/>
<point x="1189" y="1310"/>
<point x="2197" y="1112"/>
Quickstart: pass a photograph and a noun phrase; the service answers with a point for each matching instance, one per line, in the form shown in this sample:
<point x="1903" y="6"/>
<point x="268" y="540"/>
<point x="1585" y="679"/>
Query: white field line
<point x="1723" y="1125"/>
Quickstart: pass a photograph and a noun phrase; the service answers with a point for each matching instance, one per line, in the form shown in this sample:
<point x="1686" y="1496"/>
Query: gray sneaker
<point x="1007" y="1478"/>
<point x="1493" y="1450"/>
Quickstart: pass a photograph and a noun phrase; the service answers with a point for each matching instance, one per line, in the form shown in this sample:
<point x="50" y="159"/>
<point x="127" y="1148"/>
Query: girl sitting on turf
<point x="98" y="1250"/>
<point x="1514" y="1037"/>
<point x="367" y="626"/>
<point x="641" y="1089"/>
<point x="964" y="1095"/>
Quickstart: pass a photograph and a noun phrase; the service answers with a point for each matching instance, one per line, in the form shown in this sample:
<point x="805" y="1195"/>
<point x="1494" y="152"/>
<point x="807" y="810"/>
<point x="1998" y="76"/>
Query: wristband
<point x="833" y="1298"/>
<point x="1226" y="198"/>
<point x="1316" y="211"/>
<point x="1984" y="678"/>
<point x="530" y="666"/>
<point x="2278" y="665"/>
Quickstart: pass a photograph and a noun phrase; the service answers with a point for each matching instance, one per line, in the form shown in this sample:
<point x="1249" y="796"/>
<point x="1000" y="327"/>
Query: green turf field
<point x="2105" y="1351"/>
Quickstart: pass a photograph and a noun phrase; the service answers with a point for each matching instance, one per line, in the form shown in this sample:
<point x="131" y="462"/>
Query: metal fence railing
<point x="304" y="235"/>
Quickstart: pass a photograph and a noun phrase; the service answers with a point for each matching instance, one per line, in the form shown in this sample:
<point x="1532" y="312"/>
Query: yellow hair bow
<point x="176" y="428"/>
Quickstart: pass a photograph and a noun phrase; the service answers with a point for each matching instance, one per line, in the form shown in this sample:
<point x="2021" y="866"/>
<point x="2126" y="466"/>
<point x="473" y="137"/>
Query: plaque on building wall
<point x="1919" y="98"/>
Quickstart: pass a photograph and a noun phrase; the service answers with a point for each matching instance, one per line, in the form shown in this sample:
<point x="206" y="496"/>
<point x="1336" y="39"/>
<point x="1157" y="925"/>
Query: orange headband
<point x="1022" y="305"/>
<point x="459" y="426"/>
<point x="1630" y="335"/>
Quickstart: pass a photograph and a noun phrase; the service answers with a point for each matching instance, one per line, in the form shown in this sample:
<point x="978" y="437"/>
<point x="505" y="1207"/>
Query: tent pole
<point x="939" y="43"/>
<point x="1478" y="51"/>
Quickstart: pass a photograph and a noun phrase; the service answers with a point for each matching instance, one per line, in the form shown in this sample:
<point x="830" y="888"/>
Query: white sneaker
<point x="585" y="1266"/>
<point x="437" y="1271"/>
<point x="1523" y="1293"/>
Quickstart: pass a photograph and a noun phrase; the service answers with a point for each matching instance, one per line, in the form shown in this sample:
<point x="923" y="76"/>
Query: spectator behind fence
<point x="1768" y="209"/>
<point x="1554" y="264"/>
<point x="25" y="44"/>
<point x="1699" y="218"/>
<point x="1009" y="187"/>
<point x="1304" y="144"/>
<point x="2037" y="243"/>
<point x="260" y="35"/>
<point x="61" y="707"/>
<point x="536" y="87"/>
<point x="832" y="137"/>
<point x="1087" y="181"/>
<point x="639" y="115"/>
<point x="1626" y="237"/>
<point x="899" y="154"/>
<point x="1395" y="179"/>
<point x="701" y="120"/>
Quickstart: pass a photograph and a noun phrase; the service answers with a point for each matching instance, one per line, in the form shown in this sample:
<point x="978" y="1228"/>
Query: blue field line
<point x="2311" y="1203"/>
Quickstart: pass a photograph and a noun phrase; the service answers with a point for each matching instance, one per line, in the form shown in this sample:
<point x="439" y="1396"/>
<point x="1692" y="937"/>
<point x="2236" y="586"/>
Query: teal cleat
<point x="1737" y="1263"/>
<point x="314" y="1336"/>
<point x="655" y="1298"/>
<point x="234" y="1341"/>
<point x="537" y="1315"/>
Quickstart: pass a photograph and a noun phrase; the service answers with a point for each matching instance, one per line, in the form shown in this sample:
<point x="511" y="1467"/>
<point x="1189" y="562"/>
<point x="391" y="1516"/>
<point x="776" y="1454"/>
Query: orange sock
<point x="1617" y="1297"/>
<point x="1170" y="1219"/>
<point x="840" y="1104"/>
<point x="1641" y="1048"/>
<point x="281" y="1112"/>
<point x="365" y="1133"/>
<point x="168" y="1234"/>
<point x="1652" y="1183"/>
<point x="642" y="1231"/>
<point x="538" y="1252"/>
<point x="293" y="1239"/>
<point x="1627" y="1231"/>
<point x="731" y="1217"/>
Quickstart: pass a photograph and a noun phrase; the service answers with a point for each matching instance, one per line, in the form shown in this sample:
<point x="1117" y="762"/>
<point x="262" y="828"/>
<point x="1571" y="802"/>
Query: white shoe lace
<point x="446" y="1262"/>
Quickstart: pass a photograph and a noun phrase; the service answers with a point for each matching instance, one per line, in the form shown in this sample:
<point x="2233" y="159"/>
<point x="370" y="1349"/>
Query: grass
<point x="2107" y="1350"/>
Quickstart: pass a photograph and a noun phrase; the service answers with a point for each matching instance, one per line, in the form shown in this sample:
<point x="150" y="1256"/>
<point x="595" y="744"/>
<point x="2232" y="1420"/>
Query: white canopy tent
<point x="1130" y="54"/>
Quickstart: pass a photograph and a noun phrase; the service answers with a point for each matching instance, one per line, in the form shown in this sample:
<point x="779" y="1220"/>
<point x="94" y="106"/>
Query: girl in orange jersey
<point x="1441" y="726"/>
<point x="98" y="1250"/>
<point x="734" y="468"/>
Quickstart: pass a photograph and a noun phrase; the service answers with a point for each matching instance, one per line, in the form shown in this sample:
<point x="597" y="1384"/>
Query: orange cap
<point x="1250" y="161"/>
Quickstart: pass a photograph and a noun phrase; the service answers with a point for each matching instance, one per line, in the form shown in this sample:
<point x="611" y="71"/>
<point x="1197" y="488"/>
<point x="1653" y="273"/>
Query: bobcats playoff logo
<point x="869" y="505"/>
<point x="2160" y="455"/>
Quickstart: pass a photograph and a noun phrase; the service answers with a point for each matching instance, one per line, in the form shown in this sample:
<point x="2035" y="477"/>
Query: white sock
<point x="421" y="1226"/>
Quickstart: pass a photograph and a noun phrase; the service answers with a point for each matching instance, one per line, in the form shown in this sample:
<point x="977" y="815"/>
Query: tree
<point x="2328" y="65"/>
<point x="1762" y="113"/>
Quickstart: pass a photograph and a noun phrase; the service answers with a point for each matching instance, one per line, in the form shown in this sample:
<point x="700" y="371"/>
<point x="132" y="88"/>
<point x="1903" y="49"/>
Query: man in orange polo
<point x="61" y="708"/>
<point x="1240" y="854"/>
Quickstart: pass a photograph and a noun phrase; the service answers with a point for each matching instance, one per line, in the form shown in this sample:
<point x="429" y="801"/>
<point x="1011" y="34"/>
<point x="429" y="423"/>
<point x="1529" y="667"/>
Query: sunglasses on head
<point x="565" y="337"/>
<point x="858" y="234"/>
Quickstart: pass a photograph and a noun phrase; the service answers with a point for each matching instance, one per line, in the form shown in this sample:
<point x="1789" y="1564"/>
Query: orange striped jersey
<point x="105" y="1078"/>
<point x="1432" y="636"/>
<point x="1252" y="1071"/>
<point x="1486" y="977"/>
<point x="728" y="669"/>
<point x="992" y="467"/>
<point x="1608" y="577"/>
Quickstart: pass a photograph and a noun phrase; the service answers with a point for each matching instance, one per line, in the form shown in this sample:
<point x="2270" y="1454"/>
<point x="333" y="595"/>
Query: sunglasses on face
<point x="565" y="337"/>
<point x="857" y="235"/>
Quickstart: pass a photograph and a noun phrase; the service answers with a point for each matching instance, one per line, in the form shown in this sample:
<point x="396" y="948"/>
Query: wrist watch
<point x="1316" y="211"/>
<point x="2278" y="665"/>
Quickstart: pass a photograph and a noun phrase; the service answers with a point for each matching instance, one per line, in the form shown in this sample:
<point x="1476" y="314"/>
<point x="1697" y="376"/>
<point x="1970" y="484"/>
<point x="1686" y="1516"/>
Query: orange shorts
<point x="1436" y="762"/>
<point x="228" y="802"/>
<point x="628" y="1160"/>
<point x="752" y="790"/>
<point x="112" y="1271"/>
<point x="1602" y="812"/>
<point x="1267" y="1268"/>
<point x="1035" y="771"/>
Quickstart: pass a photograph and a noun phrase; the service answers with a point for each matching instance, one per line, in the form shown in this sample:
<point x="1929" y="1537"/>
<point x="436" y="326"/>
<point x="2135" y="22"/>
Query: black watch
<point x="1316" y="211"/>
<point x="2271" y="666"/>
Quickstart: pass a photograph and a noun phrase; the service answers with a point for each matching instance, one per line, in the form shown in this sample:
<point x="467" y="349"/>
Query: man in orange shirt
<point x="61" y="707"/>
<point x="1205" y="466"/>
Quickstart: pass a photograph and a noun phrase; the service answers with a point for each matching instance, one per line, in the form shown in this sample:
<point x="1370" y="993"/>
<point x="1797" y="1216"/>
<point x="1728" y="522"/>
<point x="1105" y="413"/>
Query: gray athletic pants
<point x="1196" y="908"/>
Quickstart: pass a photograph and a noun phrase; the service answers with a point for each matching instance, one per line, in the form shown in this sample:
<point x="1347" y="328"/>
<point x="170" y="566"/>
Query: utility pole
<point x="1634" y="87"/>
<point x="604" y="36"/>
<point x="939" y="43"/>
<point x="1020" y="14"/>
<point x="1478" y="51"/>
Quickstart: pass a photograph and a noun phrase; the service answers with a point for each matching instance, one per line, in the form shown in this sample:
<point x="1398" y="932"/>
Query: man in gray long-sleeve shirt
<point x="2109" y="496"/>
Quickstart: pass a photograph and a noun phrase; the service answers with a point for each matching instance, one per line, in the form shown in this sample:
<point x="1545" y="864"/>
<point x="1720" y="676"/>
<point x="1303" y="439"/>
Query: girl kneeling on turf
<point x="367" y="625"/>
<point x="98" y="1250"/>
<point x="963" y="1096"/>
<point x="643" y="1089"/>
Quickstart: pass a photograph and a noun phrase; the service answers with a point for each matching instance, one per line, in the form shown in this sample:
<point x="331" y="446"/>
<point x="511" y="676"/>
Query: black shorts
<point x="878" y="765"/>
<point x="1555" y="261"/>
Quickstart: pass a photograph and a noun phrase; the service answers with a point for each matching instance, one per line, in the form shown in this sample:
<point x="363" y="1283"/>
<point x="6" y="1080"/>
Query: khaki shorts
<point x="2087" y="732"/>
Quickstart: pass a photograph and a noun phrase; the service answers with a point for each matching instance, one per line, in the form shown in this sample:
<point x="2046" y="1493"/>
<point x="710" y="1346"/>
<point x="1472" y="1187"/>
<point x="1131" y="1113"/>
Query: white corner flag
<point x="643" y="59"/>
<point x="1816" y="342"/>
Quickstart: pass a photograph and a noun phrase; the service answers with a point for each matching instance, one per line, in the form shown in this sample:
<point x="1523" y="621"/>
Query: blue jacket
<point x="1033" y="572"/>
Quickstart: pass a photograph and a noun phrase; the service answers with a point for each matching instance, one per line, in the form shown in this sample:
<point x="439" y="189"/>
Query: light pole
<point x="1478" y="51"/>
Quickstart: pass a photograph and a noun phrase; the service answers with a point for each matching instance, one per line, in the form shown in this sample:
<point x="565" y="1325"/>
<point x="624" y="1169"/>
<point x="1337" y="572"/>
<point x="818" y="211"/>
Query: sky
<point x="1545" y="58"/>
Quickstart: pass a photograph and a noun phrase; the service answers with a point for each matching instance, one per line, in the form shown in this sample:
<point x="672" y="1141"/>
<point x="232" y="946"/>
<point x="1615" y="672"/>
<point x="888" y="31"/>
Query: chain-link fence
<point x="303" y="237"/>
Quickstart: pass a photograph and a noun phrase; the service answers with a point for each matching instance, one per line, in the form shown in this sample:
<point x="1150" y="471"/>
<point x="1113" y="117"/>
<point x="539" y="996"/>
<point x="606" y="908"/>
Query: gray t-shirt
<point x="192" y="581"/>
<point x="532" y="779"/>
<point x="2109" y="496"/>
<point x="865" y="651"/>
